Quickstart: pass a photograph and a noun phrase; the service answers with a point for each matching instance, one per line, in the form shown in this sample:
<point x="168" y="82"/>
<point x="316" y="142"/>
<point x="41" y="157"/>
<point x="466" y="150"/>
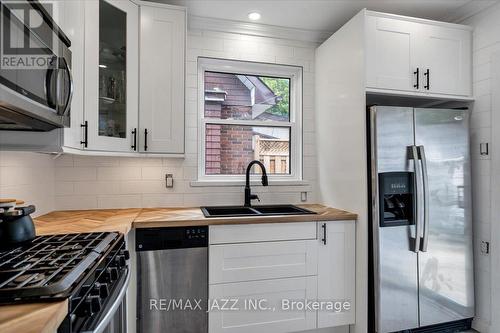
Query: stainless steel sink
<point x="267" y="210"/>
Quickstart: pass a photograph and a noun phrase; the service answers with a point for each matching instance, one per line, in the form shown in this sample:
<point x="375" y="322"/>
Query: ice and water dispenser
<point x="396" y="198"/>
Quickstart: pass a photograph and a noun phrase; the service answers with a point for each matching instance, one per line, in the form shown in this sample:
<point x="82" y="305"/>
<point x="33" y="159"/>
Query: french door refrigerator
<point x="421" y="229"/>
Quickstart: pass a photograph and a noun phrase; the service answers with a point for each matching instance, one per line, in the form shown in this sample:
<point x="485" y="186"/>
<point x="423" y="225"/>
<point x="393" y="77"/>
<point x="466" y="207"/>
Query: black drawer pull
<point x="85" y="140"/>
<point x="417" y="74"/>
<point x="134" y="133"/>
<point x="427" y="75"/>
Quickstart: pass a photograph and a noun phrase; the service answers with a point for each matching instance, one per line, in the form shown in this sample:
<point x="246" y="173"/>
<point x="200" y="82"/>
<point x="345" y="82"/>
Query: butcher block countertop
<point x="122" y="220"/>
<point x="32" y="318"/>
<point x="46" y="317"/>
<point x="177" y="217"/>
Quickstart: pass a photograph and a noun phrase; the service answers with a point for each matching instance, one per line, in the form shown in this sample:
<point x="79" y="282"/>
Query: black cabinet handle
<point x="323" y="226"/>
<point x="427" y="75"/>
<point x="134" y="133"/>
<point x="417" y="74"/>
<point x="145" y="139"/>
<point x="85" y="140"/>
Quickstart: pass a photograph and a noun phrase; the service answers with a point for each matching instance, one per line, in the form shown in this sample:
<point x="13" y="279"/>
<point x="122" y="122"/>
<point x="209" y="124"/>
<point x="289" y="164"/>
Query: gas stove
<point x="89" y="269"/>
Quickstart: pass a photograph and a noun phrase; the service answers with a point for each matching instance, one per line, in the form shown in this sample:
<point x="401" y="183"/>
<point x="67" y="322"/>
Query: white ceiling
<point x="326" y="15"/>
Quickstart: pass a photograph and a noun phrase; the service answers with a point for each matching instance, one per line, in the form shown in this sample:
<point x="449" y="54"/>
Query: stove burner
<point x="50" y="265"/>
<point x="9" y="266"/>
<point x="71" y="247"/>
<point x="29" y="279"/>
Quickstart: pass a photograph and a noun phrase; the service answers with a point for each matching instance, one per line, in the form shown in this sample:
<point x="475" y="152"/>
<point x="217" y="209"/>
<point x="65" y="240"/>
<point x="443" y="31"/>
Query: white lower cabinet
<point x="337" y="271"/>
<point x="277" y="264"/>
<point x="267" y="260"/>
<point x="271" y="293"/>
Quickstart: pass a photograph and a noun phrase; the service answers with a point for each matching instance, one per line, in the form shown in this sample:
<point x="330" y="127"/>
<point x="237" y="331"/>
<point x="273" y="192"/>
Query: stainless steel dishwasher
<point x="172" y="278"/>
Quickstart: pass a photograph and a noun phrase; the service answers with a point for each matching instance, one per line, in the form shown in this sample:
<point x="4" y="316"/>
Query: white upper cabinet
<point x="111" y="75"/>
<point x="392" y="51"/>
<point x="162" y="62"/>
<point x="446" y="60"/>
<point x="418" y="56"/>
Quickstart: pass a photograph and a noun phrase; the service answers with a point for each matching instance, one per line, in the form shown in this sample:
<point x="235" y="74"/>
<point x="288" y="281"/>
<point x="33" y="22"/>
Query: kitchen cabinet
<point x="392" y="51"/>
<point x="162" y="75"/>
<point x="446" y="60"/>
<point x="412" y="55"/>
<point x="336" y="271"/>
<point x="119" y="95"/>
<point x="266" y="260"/>
<point x="279" y="262"/>
<point x="111" y="75"/>
<point x="262" y="320"/>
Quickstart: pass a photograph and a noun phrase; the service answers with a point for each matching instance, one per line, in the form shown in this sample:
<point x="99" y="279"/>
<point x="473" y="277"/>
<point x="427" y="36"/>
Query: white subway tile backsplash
<point x="119" y="173"/>
<point x="96" y="187"/>
<point x="76" y="173"/>
<point x="109" y="182"/>
<point x="119" y="201"/>
<point x="64" y="188"/>
<point x="75" y="202"/>
<point x="163" y="200"/>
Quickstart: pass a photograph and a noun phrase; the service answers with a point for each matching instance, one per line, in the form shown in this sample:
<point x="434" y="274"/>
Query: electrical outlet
<point x="485" y="247"/>
<point x="169" y="180"/>
<point x="303" y="196"/>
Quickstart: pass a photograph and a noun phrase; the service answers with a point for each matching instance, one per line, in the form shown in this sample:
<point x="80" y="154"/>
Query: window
<point x="249" y="111"/>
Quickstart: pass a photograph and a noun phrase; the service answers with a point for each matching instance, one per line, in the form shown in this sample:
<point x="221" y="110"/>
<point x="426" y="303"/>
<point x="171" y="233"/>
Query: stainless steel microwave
<point x="35" y="69"/>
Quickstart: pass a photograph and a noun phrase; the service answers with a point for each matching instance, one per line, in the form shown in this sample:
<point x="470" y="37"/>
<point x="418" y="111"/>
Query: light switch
<point x="169" y="180"/>
<point x="303" y="196"/>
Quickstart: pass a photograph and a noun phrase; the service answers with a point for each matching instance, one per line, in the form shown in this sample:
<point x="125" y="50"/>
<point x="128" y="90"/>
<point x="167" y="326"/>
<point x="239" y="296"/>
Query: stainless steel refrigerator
<point x="421" y="223"/>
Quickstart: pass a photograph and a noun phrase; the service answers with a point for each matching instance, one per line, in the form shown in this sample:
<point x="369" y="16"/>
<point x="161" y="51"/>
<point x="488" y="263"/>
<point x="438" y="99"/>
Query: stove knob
<point x="100" y="290"/>
<point x="90" y="305"/>
<point x="126" y="254"/>
<point x="113" y="272"/>
<point x="120" y="261"/>
<point x="95" y="303"/>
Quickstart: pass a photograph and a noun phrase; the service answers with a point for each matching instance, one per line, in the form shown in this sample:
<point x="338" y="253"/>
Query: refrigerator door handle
<point x="415" y="156"/>
<point x="425" y="183"/>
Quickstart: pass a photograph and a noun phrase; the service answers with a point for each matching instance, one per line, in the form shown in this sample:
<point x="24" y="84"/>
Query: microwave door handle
<point x="48" y="85"/>
<point x="69" y="98"/>
<point x="417" y="180"/>
<point x="425" y="182"/>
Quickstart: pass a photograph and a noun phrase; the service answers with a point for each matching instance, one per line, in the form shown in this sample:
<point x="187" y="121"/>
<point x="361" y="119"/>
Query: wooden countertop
<point x="46" y="317"/>
<point x="74" y="221"/>
<point x="176" y="217"/>
<point x="123" y="220"/>
<point x="32" y="318"/>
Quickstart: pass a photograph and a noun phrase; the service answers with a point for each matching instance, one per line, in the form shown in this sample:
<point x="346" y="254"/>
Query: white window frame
<point x="294" y="73"/>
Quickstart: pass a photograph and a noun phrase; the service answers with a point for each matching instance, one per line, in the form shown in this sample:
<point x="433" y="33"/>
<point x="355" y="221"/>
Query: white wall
<point x="29" y="177"/>
<point x="341" y="138"/>
<point x="486" y="42"/>
<point x="101" y="182"/>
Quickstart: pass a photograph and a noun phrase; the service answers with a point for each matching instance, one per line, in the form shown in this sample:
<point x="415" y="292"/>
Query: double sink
<point x="264" y="210"/>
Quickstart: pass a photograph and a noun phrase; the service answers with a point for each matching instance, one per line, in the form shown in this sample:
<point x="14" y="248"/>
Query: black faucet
<point x="248" y="193"/>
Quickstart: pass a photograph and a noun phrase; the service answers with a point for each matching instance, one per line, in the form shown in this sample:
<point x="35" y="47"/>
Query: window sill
<point x="222" y="183"/>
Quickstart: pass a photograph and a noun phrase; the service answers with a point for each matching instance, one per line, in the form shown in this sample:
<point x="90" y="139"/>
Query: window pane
<point x="246" y="97"/>
<point x="229" y="149"/>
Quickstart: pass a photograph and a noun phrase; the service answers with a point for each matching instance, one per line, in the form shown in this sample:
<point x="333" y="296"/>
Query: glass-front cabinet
<point x="111" y="75"/>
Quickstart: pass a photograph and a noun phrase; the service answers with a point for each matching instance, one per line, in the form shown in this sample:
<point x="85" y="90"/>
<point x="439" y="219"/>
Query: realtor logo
<point x="26" y="41"/>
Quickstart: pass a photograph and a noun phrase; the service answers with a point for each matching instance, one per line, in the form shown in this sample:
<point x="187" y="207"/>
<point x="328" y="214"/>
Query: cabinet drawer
<point x="262" y="232"/>
<point x="263" y="321"/>
<point x="258" y="261"/>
